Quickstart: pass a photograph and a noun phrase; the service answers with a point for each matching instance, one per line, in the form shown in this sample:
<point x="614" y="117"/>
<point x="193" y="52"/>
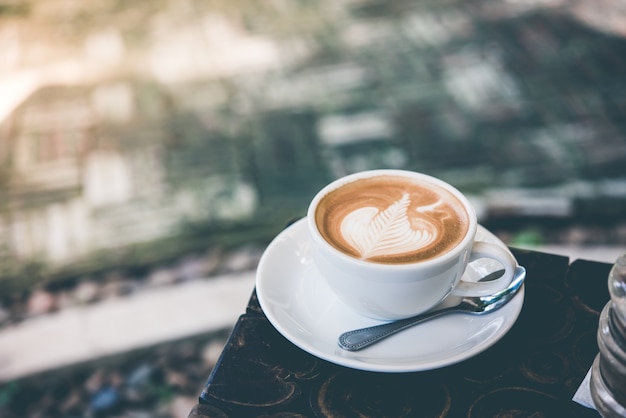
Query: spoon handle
<point x="360" y="338"/>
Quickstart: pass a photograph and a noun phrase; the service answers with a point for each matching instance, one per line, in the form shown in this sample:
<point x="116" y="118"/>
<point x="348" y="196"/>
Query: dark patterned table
<point x="533" y="371"/>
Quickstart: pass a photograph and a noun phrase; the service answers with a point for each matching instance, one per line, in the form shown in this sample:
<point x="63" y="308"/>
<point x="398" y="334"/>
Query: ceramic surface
<point x="301" y="306"/>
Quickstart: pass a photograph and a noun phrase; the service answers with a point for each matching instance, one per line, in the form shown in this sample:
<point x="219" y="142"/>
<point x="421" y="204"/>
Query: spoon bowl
<point x="477" y="305"/>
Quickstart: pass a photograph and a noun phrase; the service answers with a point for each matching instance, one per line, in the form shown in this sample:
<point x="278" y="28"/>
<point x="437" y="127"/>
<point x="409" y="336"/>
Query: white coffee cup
<point x="392" y="243"/>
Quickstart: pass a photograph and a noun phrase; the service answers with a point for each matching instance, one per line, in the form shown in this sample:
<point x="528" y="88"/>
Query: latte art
<point x="389" y="219"/>
<point x="374" y="233"/>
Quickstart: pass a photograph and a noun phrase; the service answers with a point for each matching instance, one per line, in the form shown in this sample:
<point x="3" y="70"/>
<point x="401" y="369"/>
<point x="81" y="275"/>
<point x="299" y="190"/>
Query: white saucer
<point x="301" y="306"/>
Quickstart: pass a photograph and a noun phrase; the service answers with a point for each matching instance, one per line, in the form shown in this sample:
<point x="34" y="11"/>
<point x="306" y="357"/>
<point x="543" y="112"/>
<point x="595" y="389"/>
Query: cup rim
<point x="441" y="259"/>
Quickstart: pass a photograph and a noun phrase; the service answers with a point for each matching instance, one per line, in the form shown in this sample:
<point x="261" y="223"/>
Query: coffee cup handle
<point x="496" y="252"/>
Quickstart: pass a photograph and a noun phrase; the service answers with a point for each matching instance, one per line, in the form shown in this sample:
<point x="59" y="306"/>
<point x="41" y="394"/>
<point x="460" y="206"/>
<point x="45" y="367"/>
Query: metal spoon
<point x="360" y="338"/>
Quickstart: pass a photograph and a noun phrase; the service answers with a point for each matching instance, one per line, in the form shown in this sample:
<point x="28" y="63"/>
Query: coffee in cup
<point x="392" y="219"/>
<point x="394" y="243"/>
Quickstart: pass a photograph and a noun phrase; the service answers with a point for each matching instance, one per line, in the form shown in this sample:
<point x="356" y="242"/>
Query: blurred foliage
<point x="528" y="237"/>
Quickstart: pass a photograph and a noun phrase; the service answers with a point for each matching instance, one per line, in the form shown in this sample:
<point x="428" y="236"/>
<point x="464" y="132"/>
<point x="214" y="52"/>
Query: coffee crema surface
<point x="392" y="219"/>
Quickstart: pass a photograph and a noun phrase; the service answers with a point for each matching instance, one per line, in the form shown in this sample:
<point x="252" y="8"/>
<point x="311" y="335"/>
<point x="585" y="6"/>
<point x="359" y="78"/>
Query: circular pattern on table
<point x="546" y="367"/>
<point x="585" y="349"/>
<point x="552" y="318"/>
<point x="516" y="402"/>
<point x="347" y="394"/>
<point x="588" y="286"/>
<point x="491" y="365"/>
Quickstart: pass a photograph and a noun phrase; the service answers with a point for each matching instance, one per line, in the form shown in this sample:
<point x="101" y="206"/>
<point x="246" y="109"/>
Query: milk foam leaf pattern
<point x="373" y="233"/>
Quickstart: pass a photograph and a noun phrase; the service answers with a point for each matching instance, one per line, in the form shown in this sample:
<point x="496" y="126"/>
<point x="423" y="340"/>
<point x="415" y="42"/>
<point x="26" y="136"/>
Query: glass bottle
<point x="608" y="373"/>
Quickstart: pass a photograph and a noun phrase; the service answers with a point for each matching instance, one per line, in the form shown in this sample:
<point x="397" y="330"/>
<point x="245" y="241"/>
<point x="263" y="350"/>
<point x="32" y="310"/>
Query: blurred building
<point x="138" y="123"/>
